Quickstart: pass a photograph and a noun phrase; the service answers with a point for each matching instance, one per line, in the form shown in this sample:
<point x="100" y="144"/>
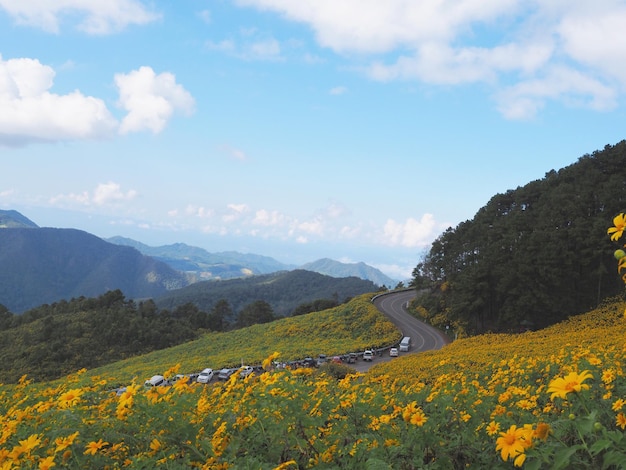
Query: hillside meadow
<point x="547" y="399"/>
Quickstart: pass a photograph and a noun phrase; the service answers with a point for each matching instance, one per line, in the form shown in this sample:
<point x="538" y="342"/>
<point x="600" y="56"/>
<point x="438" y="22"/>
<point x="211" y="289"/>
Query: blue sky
<point x="357" y="130"/>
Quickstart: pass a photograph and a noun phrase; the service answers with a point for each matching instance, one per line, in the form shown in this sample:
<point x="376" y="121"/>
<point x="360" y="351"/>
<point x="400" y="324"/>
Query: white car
<point x="245" y="371"/>
<point x="205" y="376"/>
<point x="156" y="381"/>
<point x="368" y="355"/>
<point x="393" y="352"/>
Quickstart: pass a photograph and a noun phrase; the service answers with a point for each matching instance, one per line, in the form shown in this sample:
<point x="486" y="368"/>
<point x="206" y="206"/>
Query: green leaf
<point x="599" y="446"/>
<point x="562" y="457"/>
<point x="376" y="464"/>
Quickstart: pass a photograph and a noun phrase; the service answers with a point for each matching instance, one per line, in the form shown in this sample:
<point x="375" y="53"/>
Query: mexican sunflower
<point x="572" y="382"/>
<point x="619" y="222"/>
<point x="512" y="444"/>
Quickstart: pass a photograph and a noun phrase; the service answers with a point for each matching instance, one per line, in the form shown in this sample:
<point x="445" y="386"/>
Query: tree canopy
<point x="530" y="256"/>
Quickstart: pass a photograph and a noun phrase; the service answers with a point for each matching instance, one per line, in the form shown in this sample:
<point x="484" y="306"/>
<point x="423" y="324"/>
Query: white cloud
<point x="411" y="232"/>
<point x="569" y="52"/>
<point x="105" y="194"/>
<point x="150" y="99"/>
<point x="30" y="112"/>
<point x="96" y="16"/>
<point x="234" y="153"/>
<point x="338" y="90"/>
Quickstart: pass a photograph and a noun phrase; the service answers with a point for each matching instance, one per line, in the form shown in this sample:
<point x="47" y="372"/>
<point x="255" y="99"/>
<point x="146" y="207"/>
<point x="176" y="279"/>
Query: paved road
<point x="423" y="337"/>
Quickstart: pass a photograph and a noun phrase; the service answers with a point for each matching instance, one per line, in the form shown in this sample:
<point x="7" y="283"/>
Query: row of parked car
<point x="208" y="374"/>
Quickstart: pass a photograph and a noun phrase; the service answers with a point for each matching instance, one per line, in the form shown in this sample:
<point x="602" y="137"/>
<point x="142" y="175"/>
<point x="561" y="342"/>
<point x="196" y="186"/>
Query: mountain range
<point x="200" y="264"/>
<point x="46" y="265"/>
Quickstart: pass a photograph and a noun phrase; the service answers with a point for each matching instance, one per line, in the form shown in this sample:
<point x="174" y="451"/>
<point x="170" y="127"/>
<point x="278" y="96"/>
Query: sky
<point x="357" y="130"/>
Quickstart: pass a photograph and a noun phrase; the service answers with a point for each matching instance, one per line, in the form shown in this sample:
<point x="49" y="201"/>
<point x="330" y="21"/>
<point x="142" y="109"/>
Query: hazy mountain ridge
<point x="44" y="265"/>
<point x="204" y="265"/>
<point x="13" y="219"/>
<point x="334" y="268"/>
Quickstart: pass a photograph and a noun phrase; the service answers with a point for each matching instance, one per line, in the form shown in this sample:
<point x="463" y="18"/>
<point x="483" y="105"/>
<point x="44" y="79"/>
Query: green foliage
<point x="531" y="255"/>
<point x="283" y="291"/>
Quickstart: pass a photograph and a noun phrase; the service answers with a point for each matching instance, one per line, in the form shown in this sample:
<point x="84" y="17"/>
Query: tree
<point x="256" y="312"/>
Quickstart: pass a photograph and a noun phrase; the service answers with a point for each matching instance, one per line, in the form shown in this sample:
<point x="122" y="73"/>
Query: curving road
<point x="423" y="337"/>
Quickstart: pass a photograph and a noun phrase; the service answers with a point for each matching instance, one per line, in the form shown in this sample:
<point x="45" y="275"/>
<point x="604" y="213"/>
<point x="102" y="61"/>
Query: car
<point x="393" y="352"/>
<point x="156" y="381"/>
<point x="352" y="357"/>
<point x="205" y="376"/>
<point x="225" y="373"/>
<point x="245" y="371"/>
<point x="321" y="359"/>
<point x="368" y="355"/>
<point x="308" y="362"/>
<point x="336" y="360"/>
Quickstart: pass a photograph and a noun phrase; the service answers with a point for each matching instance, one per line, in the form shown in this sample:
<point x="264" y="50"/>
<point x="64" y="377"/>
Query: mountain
<point x="336" y="269"/>
<point x="284" y="291"/>
<point x="202" y="265"/>
<point x="13" y="219"/>
<point x="44" y="265"/>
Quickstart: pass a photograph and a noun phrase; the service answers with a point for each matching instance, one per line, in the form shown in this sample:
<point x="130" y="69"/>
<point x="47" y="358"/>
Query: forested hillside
<point x="284" y="291"/>
<point x="532" y="256"/>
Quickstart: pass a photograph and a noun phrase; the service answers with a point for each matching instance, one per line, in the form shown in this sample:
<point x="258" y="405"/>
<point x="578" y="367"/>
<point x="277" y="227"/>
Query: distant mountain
<point x="336" y="269"/>
<point x="45" y="265"/>
<point x="13" y="219"/>
<point x="284" y="291"/>
<point x="202" y="265"/>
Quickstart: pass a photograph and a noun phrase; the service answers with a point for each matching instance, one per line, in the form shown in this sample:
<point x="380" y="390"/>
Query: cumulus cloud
<point x="94" y="16"/>
<point x="105" y="194"/>
<point x="150" y="99"/>
<point x="410" y="233"/>
<point x="29" y="111"/>
<point x="529" y="53"/>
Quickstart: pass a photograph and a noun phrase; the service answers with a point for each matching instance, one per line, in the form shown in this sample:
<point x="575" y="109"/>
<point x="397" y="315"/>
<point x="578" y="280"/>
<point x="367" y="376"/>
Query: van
<point x="156" y="381"/>
<point x="405" y="344"/>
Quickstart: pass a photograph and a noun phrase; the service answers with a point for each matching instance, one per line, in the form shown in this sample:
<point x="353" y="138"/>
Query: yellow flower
<point x="619" y="404"/>
<point x="493" y="428"/>
<point x="572" y="382"/>
<point x="155" y="446"/>
<point x="70" y="398"/>
<point x="47" y="463"/>
<point x="286" y="465"/>
<point x="30" y="443"/>
<point x="621" y="420"/>
<point x="267" y="363"/>
<point x="64" y="442"/>
<point x="542" y="431"/>
<point x="512" y="444"/>
<point x="620" y="223"/>
<point x="418" y="418"/>
<point x="93" y="447"/>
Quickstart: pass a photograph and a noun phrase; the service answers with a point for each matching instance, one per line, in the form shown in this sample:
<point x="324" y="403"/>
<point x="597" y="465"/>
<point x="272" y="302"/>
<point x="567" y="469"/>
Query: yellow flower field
<point x="554" y="398"/>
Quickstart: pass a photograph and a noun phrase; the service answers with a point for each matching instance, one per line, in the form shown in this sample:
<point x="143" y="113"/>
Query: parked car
<point x="368" y="355"/>
<point x="308" y="362"/>
<point x="156" y="381"/>
<point x="321" y="359"/>
<point x="245" y="371"/>
<point x="393" y="352"/>
<point x="225" y="373"/>
<point x="336" y="360"/>
<point x="352" y="357"/>
<point x="205" y="376"/>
